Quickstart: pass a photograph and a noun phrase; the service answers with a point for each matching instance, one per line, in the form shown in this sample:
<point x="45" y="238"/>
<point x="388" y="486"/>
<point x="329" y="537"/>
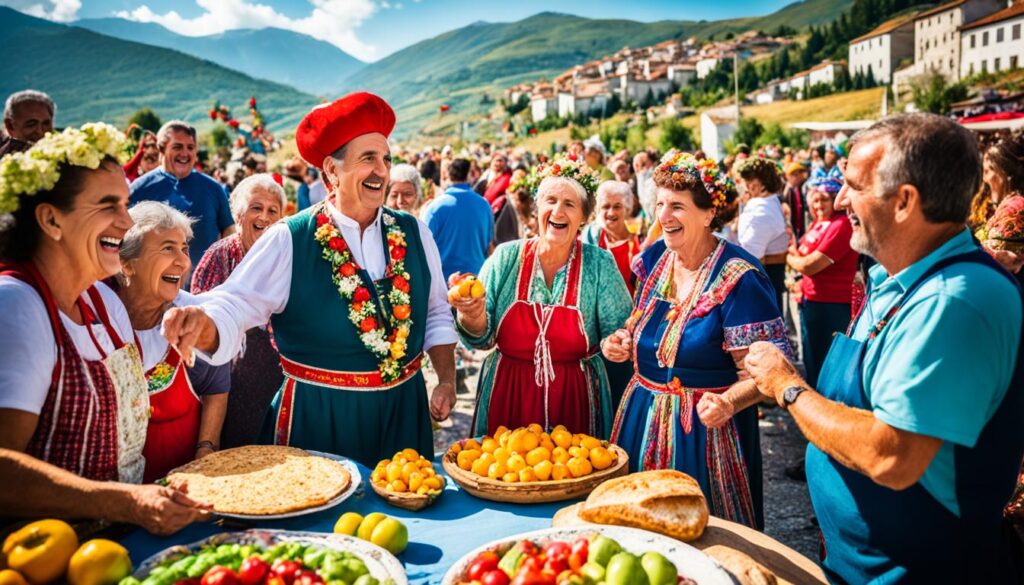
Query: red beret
<point x="328" y="127"/>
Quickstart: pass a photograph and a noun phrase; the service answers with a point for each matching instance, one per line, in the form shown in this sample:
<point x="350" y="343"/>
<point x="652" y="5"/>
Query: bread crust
<point x="665" y="501"/>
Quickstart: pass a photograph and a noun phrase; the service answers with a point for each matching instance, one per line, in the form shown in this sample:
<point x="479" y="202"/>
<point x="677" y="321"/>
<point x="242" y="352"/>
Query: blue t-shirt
<point x="197" y="196"/>
<point x="463" y="228"/>
<point x="944" y="362"/>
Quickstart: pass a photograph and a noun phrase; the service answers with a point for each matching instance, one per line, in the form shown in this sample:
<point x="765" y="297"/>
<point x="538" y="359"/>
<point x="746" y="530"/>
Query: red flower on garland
<point x="400" y="283"/>
<point x="398" y="253"/>
<point x="368" y="324"/>
<point x="347" y="269"/>
<point x="336" y="244"/>
<point x="361" y="295"/>
<point x="321" y="219"/>
<point x="556" y="170"/>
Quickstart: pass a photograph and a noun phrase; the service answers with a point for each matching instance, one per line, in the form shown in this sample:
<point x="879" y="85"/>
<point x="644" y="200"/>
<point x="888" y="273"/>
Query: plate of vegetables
<point x="272" y="557"/>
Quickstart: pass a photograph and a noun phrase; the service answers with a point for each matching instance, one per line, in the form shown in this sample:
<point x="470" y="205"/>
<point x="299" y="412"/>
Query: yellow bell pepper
<point x="41" y="550"/>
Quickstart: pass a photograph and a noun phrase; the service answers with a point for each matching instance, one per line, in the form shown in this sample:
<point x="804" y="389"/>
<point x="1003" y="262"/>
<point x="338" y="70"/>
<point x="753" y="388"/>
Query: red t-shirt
<point x="831" y="238"/>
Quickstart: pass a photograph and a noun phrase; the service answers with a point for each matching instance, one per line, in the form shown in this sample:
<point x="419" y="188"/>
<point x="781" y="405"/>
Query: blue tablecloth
<point x="438" y="536"/>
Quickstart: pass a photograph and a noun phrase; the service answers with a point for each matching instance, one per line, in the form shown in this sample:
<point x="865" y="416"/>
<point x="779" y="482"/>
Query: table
<point x="438" y="536"/>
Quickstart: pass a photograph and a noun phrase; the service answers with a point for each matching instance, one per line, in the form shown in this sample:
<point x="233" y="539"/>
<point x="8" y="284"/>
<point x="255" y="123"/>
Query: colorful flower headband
<point x="829" y="185"/>
<point x="569" y="167"/>
<point x="38" y="168"/>
<point x="718" y="184"/>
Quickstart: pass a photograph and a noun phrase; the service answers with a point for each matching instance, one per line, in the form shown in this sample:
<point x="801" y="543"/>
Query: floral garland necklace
<point x="362" y="311"/>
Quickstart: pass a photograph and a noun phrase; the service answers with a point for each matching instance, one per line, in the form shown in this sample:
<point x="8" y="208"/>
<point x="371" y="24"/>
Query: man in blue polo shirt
<point x="179" y="185"/>
<point x="461" y="222"/>
<point x="915" y="428"/>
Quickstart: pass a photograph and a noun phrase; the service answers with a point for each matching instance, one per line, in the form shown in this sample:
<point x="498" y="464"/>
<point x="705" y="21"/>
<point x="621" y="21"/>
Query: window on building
<point x="974" y="40"/>
<point x="879" y="64"/>
<point x="984" y="65"/>
<point x="1013" y="62"/>
<point x="984" y="39"/>
<point x="950" y="64"/>
<point x="1015" y="32"/>
<point x="995" y="64"/>
<point x="999" y="35"/>
<point x="970" y="69"/>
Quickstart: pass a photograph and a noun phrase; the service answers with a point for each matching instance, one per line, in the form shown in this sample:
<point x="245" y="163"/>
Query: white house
<point x="682" y="74"/>
<point x="706" y="66"/>
<point x="993" y="43"/>
<point x="716" y="127"/>
<point x="543" y="103"/>
<point x="588" y="99"/>
<point x="825" y="72"/>
<point x="937" y="34"/>
<point x="882" y="49"/>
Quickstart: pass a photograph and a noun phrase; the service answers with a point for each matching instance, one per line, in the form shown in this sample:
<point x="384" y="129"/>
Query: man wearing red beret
<point x="355" y="295"/>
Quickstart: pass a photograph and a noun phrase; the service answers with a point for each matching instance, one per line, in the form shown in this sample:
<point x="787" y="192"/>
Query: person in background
<point x="405" y="191"/>
<point x="915" y="423"/>
<point x="762" y="227"/>
<point x="793" y="195"/>
<point x="462" y="224"/>
<point x="187" y="404"/>
<point x="178" y="184"/>
<point x="146" y="158"/>
<point x="646" y="191"/>
<point x="595" y="154"/>
<point x="28" y="116"/>
<point x="998" y="201"/>
<point x="500" y="176"/>
<point x="257" y="203"/>
<point x="620" y="169"/>
<point x="824" y="257"/>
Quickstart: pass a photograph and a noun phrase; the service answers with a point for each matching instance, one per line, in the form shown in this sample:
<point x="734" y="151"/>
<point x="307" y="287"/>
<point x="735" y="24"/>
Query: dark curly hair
<point x="680" y="181"/>
<point x="20" y="233"/>
<point x="764" y="171"/>
<point x="1008" y="156"/>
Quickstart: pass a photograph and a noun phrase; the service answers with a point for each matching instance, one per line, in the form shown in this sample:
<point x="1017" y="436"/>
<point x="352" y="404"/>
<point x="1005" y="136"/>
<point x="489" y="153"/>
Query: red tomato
<point x="576" y="561"/>
<point x="556" y="565"/>
<point x="495" y="577"/>
<point x="253" y="571"/>
<point x="581" y="547"/>
<point x="286" y="570"/>
<point x="274" y="580"/>
<point x="531" y="565"/>
<point x="529" y="548"/>
<point x="308" y="578"/>
<point x="533" y="578"/>
<point x="557" y="550"/>
<point x="483" y="564"/>
<point x="220" y="576"/>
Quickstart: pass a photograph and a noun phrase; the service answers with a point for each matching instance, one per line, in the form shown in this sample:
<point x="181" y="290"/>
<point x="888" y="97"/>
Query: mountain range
<point x="107" y="68"/>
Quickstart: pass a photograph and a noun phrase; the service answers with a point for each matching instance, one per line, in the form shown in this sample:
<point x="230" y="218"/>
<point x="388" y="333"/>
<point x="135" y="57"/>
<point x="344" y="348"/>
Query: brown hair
<point x="683" y="181"/>
<point x="764" y="171"/>
<point x="1008" y="156"/>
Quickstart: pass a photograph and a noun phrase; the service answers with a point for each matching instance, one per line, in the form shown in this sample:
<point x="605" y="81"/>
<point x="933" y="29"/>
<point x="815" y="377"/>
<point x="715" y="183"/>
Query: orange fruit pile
<point x="408" y="473"/>
<point x="466" y="286"/>
<point x="529" y="454"/>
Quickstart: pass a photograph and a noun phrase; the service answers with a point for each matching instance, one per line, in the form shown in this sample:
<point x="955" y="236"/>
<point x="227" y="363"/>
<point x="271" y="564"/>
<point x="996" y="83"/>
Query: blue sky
<point x="372" y="29"/>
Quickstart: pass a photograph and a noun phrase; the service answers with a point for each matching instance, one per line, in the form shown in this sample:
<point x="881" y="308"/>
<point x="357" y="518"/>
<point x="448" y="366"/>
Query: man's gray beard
<point x="861" y="244"/>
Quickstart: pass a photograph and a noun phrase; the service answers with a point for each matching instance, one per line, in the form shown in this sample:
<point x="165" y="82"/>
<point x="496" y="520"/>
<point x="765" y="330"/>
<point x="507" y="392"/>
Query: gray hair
<point x="163" y="136"/>
<point x="242" y="194"/>
<point x="150" y="216"/>
<point x="586" y="198"/>
<point x="28" y="96"/>
<point x="934" y="154"/>
<point x="408" y="174"/>
<point x="620" y="188"/>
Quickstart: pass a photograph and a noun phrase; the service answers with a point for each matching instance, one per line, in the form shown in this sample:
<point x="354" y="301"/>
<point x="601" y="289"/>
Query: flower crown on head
<point x="38" y="168"/>
<point x="718" y="184"/>
<point x="569" y="167"/>
<point x="829" y="185"/>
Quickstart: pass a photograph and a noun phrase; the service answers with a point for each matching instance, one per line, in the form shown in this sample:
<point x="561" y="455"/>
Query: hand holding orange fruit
<point x="463" y="285"/>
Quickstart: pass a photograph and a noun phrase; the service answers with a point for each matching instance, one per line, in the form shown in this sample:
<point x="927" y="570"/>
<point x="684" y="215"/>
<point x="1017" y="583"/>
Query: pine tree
<point x="869" y="80"/>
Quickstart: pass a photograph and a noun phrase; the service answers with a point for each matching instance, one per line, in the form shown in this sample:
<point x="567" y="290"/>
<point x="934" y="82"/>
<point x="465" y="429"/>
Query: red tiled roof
<point x="939" y="9"/>
<point x="886" y="27"/>
<point x="1005" y="14"/>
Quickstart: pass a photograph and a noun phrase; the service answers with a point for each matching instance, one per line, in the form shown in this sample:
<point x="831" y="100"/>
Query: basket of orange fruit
<point x="529" y="465"/>
<point x="408" y="480"/>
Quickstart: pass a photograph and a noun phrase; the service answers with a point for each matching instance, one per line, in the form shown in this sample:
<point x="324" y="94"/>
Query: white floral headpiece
<point x="38" y="168"/>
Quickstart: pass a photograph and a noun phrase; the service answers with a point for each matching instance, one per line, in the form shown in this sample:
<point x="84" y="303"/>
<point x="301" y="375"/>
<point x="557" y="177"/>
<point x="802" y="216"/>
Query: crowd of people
<point x="869" y="287"/>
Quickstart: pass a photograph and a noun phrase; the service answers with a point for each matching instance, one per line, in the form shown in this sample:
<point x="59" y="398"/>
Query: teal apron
<point x="875" y="534"/>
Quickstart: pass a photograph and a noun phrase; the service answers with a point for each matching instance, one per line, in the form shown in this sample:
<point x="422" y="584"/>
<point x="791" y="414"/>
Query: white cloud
<point x="334" y="21"/>
<point x="58" y="10"/>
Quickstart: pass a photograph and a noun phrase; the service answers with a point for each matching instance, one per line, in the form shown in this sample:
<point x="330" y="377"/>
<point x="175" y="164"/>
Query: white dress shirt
<point x="260" y="285"/>
<point x="762" y="228"/>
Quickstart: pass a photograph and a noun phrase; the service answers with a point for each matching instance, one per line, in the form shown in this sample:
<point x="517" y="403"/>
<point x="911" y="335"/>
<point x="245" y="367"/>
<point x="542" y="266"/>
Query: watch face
<point x="789" y="394"/>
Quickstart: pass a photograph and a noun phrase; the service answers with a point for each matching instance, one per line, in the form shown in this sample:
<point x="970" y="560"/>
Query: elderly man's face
<point x="179" y="154"/>
<point x="499" y="163"/>
<point x="641" y="162"/>
<point x="871" y="214"/>
<point x="30" y="122"/>
<point x="362" y="178"/>
<point x="402" y="196"/>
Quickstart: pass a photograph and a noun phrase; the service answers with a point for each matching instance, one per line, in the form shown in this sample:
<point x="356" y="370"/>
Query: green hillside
<point x="95" y="77"/>
<point x="460" y="66"/>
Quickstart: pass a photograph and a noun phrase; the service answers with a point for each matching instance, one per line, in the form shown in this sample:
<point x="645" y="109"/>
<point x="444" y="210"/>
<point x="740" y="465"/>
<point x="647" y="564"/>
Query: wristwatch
<point x="789" y="395"/>
<point x="207" y="444"/>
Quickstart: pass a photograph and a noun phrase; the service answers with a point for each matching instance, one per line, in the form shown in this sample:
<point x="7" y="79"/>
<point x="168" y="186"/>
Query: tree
<point x="748" y="77"/>
<point x="747" y="131"/>
<point x="935" y="95"/>
<point x="648" y="100"/>
<point x="146" y="119"/>
<point x="869" y="79"/>
<point x="218" y="138"/>
<point x="674" y="135"/>
<point x="614" y="104"/>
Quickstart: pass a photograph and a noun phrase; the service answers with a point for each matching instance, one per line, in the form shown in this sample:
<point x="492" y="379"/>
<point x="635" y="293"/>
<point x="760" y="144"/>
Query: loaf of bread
<point x="744" y="569"/>
<point x="664" y="501"/>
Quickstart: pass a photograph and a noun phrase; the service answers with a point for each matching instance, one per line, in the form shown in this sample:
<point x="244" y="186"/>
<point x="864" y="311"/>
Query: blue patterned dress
<point x="681" y="351"/>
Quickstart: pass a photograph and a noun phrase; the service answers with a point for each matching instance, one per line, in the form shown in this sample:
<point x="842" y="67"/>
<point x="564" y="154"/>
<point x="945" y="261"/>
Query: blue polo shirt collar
<point x="958" y="244"/>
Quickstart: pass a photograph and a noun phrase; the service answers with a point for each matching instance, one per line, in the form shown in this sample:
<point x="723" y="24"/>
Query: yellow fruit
<point x="501" y="430"/>
<point x="415" y="481"/>
<point x="426" y="464"/>
<point x="489" y="445"/>
<point x="527" y="474"/>
<point x="547" y="443"/>
<point x="577" y="439"/>
<point x="501" y="455"/>
<point x="11" y="577"/>
<point x="510" y="477"/>
<point x="99" y="562"/>
<point x="537" y="455"/>
<point x="394" y="472"/>
<point x="466" y="458"/>
<point x="368" y="524"/>
<point x="408" y="469"/>
<point x="579" y="452"/>
<point x="398" y="486"/>
<point x="559" y="472"/>
<point x="487" y="458"/>
<point x="496" y="470"/>
<point x="471" y="444"/>
<point x="562" y="438"/>
<point x="424" y="490"/>
<point x="434" y="483"/>
<point x="41" y="550"/>
<point x="455" y="448"/>
<point x="476" y="290"/>
<point x="601" y="458"/>
<point x="376" y="477"/>
<point x="466" y="288"/>
<point x="348" y="524"/>
<point x="535" y="429"/>
<point x="559" y="428"/>
<point x="410" y="454"/>
<point x="480" y="466"/>
<point x="516" y="463"/>
<point x="391" y="535"/>
<point x="560" y="455"/>
<point x="589" y="442"/>
<point x="579" y="467"/>
<point x="399" y="459"/>
<point x="440" y="481"/>
<point x="543" y="470"/>
<point x="504" y="438"/>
